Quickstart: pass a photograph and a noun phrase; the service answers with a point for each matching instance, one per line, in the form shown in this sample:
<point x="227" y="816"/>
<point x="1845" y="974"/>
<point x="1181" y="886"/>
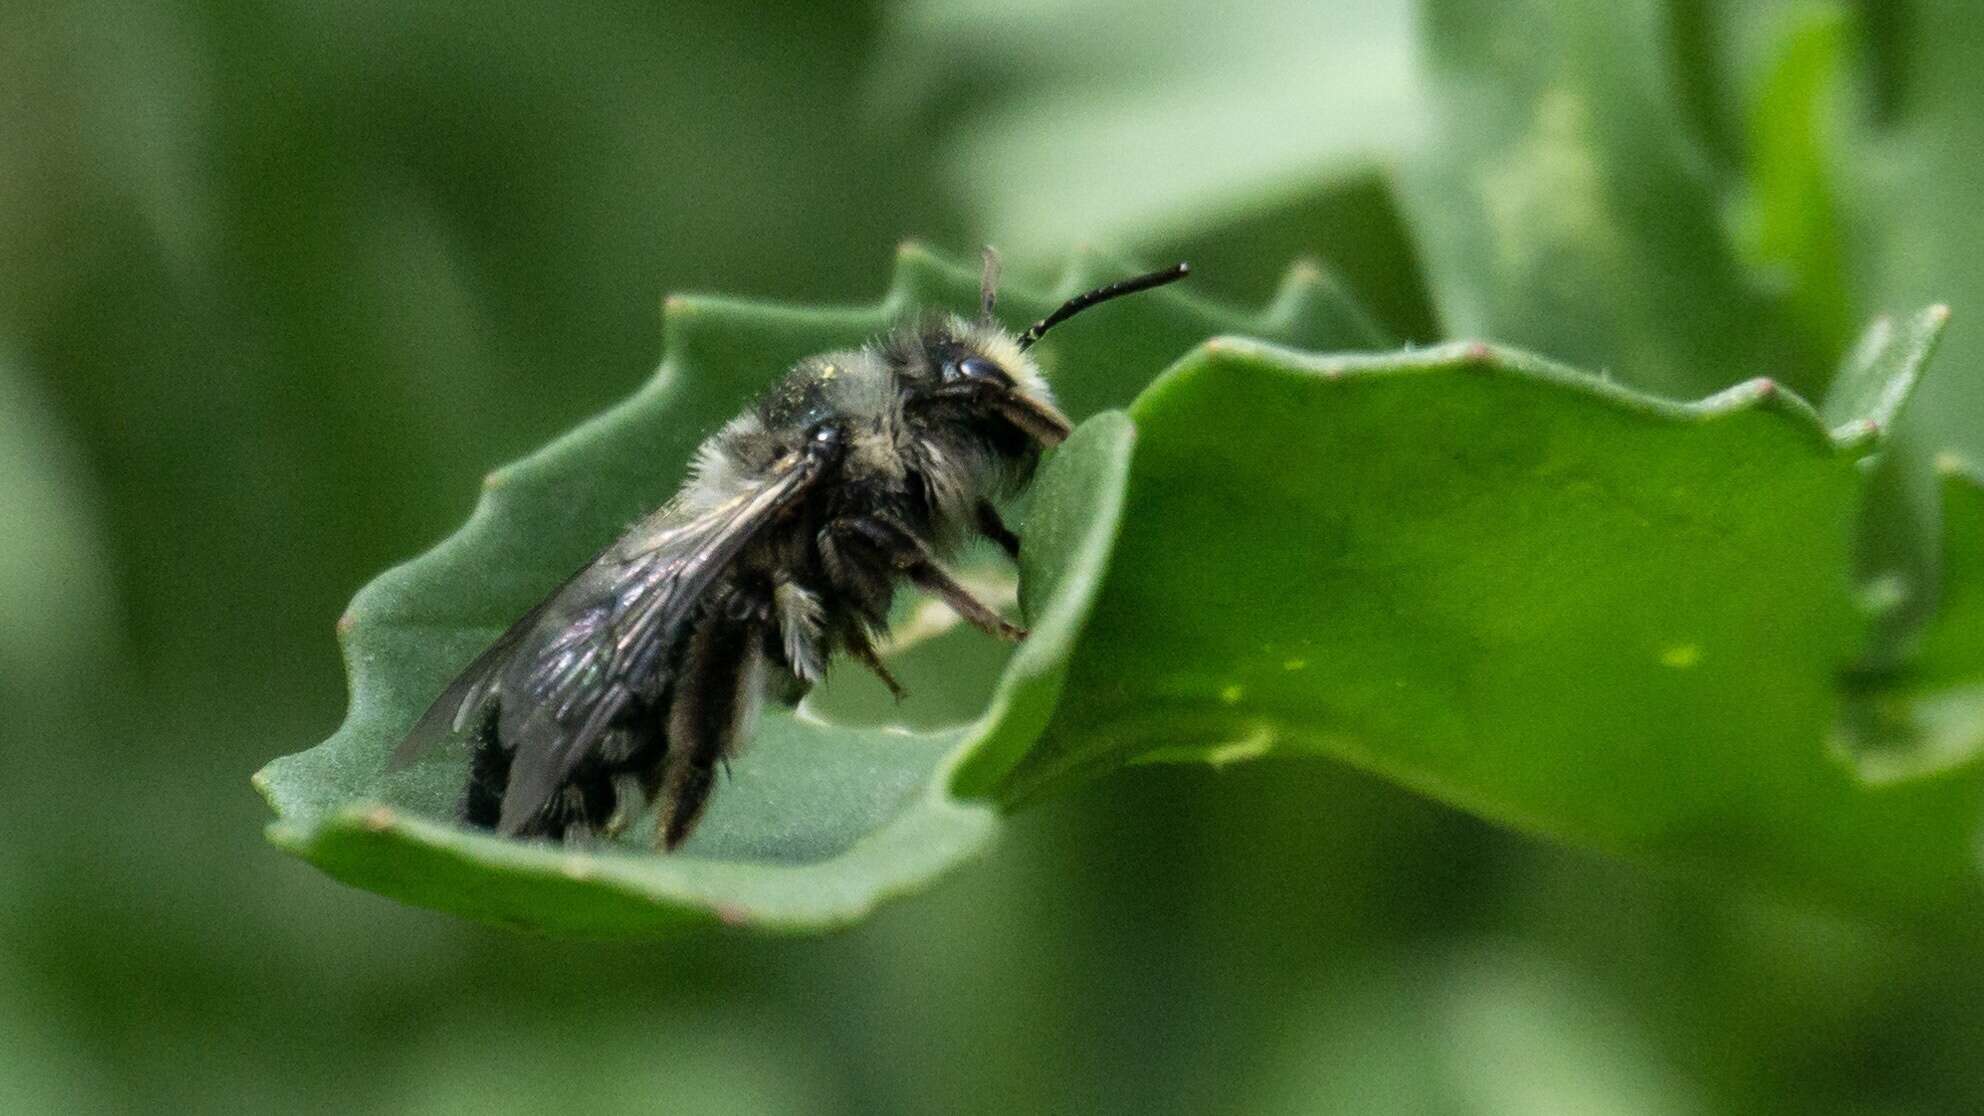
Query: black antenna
<point x="1082" y="302"/>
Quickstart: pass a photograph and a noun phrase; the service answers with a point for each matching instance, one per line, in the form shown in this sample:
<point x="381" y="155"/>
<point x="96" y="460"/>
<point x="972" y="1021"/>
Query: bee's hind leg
<point x="488" y="776"/>
<point x="708" y="716"/>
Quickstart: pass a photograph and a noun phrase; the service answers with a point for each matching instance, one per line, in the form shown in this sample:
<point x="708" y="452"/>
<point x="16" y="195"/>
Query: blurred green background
<point x="280" y="281"/>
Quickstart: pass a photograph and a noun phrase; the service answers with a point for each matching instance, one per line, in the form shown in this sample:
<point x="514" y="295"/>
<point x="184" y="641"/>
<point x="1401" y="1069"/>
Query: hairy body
<point x="859" y="470"/>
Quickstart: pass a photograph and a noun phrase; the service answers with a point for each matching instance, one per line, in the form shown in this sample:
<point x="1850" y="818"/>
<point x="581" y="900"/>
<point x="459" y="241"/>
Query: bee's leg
<point x="801" y="627"/>
<point x="928" y="574"/>
<point x="714" y="698"/>
<point x="908" y="554"/>
<point x="629" y="799"/>
<point x="994" y="528"/>
<point x="575" y="829"/>
<point x="859" y="646"/>
<point x="787" y="688"/>
<point x="858" y="557"/>
<point x="488" y="776"/>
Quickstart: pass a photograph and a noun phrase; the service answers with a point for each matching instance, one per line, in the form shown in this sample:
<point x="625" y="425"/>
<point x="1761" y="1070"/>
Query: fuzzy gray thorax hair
<point x="892" y="445"/>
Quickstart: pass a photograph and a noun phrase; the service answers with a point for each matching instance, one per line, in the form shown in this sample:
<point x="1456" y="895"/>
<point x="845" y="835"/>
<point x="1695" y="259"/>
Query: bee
<point x="857" y="471"/>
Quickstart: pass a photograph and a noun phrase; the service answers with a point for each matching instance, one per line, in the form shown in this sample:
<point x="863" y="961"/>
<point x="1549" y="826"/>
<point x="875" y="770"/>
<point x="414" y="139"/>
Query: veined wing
<point x="475" y="686"/>
<point x="609" y="637"/>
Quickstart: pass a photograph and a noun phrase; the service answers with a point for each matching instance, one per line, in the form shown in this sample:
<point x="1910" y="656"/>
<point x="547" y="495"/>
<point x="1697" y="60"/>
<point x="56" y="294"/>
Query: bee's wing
<point x="611" y="635"/>
<point x="473" y="688"/>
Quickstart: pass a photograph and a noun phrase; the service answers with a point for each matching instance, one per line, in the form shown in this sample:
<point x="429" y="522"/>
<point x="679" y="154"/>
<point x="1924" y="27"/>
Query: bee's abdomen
<point x="603" y="789"/>
<point x="666" y="745"/>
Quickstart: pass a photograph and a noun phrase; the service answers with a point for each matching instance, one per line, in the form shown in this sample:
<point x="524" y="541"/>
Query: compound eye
<point x="826" y="436"/>
<point x="973" y="368"/>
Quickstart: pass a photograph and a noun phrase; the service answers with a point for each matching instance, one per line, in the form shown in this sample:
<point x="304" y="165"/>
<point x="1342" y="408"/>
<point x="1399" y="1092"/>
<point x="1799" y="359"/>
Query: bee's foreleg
<point x="994" y="528"/>
<point x="907" y="554"/>
<point x="928" y="574"/>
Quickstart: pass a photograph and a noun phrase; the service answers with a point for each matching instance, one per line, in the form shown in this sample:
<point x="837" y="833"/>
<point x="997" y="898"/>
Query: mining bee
<point x="859" y="469"/>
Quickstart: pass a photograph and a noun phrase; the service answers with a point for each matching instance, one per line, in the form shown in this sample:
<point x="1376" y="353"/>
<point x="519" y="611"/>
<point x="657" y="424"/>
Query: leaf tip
<point x="286" y="835"/>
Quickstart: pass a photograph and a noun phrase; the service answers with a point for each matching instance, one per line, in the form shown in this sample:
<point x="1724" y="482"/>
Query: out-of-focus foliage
<point x="1194" y="131"/>
<point x="1561" y="204"/>
<point x="286" y="280"/>
<point x="54" y="619"/>
<point x="1197" y="110"/>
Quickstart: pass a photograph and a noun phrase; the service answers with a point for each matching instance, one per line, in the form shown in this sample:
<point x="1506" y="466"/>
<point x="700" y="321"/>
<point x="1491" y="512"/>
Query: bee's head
<point x="980" y="373"/>
<point x="977" y="375"/>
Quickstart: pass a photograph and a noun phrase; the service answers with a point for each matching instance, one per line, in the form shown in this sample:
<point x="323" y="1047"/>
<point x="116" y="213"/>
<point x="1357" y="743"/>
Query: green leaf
<point x="1898" y="526"/>
<point x="1879" y="375"/>
<point x="57" y="616"/>
<point x="1920" y="712"/>
<point x="1953" y="647"/>
<point x="1914" y="199"/>
<point x="822" y="820"/>
<point x="1515" y="587"/>
<point x="1350" y="220"/>
<point x="1911" y="197"/>
<point x="1793" y="209"/>
<point x="1561" y="204"/>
